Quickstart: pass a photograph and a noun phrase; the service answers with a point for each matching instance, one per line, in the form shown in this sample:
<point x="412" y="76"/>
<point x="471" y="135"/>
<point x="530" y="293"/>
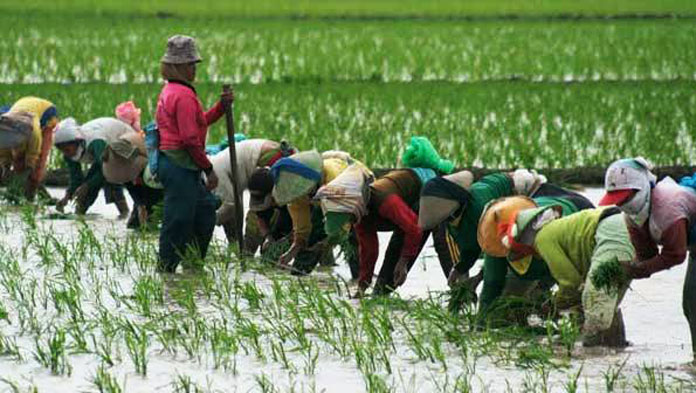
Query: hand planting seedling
<point x="609" y="276"/>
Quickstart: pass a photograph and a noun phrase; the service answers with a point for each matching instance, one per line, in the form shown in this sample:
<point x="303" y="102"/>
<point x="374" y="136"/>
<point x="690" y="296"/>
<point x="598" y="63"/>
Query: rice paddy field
<point x="497" y="84"/>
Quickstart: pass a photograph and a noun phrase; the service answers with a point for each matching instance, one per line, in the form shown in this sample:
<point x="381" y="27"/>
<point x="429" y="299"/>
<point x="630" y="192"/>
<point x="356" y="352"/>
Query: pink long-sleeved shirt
<point x="182" y="122"/>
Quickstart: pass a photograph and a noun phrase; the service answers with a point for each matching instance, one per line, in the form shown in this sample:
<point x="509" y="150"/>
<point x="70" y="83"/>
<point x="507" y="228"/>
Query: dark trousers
<point x="142" y="195"/>
<point x="112" y="193"/>
<point x="385" y="279"/>
<point x="189" y="214"/>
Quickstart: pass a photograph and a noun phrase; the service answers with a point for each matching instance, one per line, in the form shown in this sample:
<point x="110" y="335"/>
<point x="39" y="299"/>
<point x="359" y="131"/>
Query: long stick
<point x="238" y="208"/>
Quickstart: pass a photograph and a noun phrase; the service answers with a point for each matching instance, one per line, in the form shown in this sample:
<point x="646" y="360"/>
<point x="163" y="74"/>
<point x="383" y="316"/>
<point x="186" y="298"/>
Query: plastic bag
<point x="15" y="129"/>
<point x="212" y="150"/>
<point x="152" y="141"/>
<point x="420" y="153"/>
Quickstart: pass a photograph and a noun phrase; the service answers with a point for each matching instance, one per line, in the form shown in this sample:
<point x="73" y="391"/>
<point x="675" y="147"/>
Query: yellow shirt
<point x="31" y="149"/>
<point x="300" y="209"/>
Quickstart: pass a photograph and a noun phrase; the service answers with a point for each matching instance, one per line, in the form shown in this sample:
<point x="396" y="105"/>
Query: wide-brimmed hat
<point x="181" y="49"/>
<point x="522" y="231"/>
<point x="495" y="221"/>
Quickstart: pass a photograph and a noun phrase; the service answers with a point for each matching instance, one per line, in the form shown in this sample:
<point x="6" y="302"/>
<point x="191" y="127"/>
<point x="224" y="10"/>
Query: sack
<point x="347" y="193"/>
<point x="152" y="142"/>
<point x="15" y="129"/>
<point x="420" y="153"/>
<point x="124" y="159"/>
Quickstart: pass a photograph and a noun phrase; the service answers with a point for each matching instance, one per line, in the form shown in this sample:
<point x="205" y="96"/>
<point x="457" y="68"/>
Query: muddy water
<point x="652" y="312"/>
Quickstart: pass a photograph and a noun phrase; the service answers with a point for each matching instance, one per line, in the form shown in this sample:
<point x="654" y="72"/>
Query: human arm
<point x="300" y="213"/>
<point x="187" y="112"/>
<point x="674" y="249"/>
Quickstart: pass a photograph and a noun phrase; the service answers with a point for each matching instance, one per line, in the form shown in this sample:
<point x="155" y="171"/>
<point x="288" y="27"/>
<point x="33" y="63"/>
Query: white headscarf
<point x="632" y="174"/>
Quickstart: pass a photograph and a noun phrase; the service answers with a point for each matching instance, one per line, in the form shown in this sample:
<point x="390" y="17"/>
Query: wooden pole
<point x="238" y="204"/>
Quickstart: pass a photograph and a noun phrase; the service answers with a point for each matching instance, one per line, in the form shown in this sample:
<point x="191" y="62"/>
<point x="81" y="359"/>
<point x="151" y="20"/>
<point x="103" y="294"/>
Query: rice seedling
<point x="609" y="276"/>
<point x="613" y="374"/>
<point x="105" y="382"/>
<point x="52" y="352"/>
<point x="137" y="342"/>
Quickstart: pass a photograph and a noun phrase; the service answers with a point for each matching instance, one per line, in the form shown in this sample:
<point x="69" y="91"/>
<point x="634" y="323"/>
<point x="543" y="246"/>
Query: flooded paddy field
<point x="84" y="310"/>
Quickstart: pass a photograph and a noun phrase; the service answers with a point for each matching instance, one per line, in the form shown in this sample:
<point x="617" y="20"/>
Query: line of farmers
<point x="532" y="235"/>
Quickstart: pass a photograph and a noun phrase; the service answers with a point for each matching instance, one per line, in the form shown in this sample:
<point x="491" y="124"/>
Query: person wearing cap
<point x="189" y="207"/>
<point x="661" y="219"/>
<point x="86" y="144"/>
<point x="28" y="159"/>
<point x="251" y="154"/>
<point x="520" y="277"/>
<point x="454" y="201"/>
<point x="297" y="179"/>
<point x="572" y="247"/>
<point x="275" y="227"/>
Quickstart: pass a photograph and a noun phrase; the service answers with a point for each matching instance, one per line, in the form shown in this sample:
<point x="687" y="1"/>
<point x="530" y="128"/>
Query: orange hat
<point x="495" y="221"/>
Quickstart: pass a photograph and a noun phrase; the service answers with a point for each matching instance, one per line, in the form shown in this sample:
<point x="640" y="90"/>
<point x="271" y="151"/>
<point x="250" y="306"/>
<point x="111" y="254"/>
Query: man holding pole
<point x="189" y="207"/>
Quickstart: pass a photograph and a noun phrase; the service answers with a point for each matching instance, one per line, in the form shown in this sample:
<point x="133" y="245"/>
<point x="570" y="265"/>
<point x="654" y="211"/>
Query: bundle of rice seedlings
<point x="609" y="276"/>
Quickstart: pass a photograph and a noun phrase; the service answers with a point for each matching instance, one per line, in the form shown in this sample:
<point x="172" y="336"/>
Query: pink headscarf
<point x="128" y="113"/>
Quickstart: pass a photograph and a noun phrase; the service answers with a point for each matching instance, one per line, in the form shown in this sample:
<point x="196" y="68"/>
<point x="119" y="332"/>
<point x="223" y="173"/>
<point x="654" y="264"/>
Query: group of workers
<point x="532" y="235"/>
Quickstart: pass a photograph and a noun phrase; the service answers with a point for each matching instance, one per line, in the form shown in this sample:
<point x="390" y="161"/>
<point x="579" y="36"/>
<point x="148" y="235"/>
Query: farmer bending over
<point x="26" y="137"/>
<point x="658" y="214"/>
<point x="86" y="144"/>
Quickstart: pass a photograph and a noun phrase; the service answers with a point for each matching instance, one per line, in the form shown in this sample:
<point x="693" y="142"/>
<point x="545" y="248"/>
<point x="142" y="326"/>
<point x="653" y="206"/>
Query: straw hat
<point x="181" y="49"/>
<point x="494" y="220"/>
<point x="521" y="234"/>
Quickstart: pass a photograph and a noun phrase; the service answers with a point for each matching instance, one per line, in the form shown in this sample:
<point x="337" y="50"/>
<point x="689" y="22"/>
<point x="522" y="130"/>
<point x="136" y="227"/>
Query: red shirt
<point x="182" y="123"/>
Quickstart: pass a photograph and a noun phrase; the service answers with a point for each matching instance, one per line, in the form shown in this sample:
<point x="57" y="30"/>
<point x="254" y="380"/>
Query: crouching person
<point x="251" y="155"/>
<point x="297" y="179"/>
<point x="573" y="248"/>
<point x="658" y="214"/>
<point x="26" y="137"/>
<point x="124" y="162"/>
<point x="86" y="144"/>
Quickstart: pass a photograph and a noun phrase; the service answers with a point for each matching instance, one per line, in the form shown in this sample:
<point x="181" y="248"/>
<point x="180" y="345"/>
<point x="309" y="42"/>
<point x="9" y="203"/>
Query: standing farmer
<point x="189" y="207"/>
<point x="658" y="214"/>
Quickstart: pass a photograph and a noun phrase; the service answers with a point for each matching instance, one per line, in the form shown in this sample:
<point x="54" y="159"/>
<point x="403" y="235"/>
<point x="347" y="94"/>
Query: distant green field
<point x="485" y="124"/>
<point x="441" y="8"/>
<point x="119" y="50"/>
<point x="489" y="92"/>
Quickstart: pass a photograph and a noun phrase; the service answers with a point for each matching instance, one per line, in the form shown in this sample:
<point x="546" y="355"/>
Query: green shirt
<point x="495" y="270"/>
<point x="464" y="229"/>
<point x="572" y="244"/>
<point x="94" y="177"/>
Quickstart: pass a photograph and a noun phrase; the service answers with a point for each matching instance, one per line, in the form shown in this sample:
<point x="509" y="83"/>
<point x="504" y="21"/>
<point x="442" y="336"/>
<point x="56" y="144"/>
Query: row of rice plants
<point x="495" y="125"/>
<point x="121" y="50"/>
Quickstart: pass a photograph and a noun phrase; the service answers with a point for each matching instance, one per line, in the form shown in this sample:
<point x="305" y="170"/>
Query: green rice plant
<point x="375" y="383"/>
<point x="613" y="374"/>
<point x="184" y="384"/>
<point x="105" y="382"/>
<point x="10" y="348"/>
<point x="137" y="342"/>
<point x="354" y="9"/>
<point x="51" y="353"/>
<point x="265" y="384"/>
<point x="571" y="385"/>
<point x="609" y="276"/>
